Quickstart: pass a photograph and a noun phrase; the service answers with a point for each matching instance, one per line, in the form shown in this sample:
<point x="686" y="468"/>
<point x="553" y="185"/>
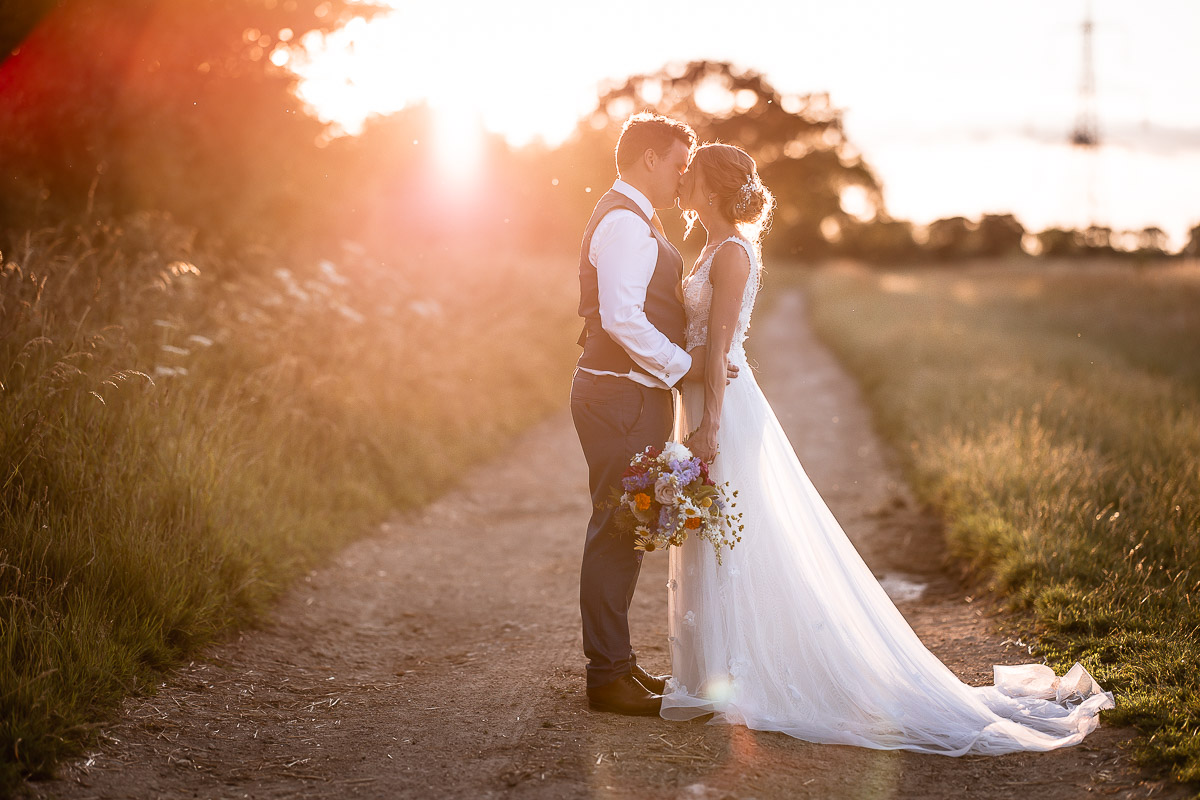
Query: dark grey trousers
<point x="615" y="418"/>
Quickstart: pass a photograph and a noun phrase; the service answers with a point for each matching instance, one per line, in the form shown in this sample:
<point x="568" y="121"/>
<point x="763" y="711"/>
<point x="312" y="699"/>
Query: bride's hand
<point x="703" y="443"/>
<point x="696" y="370"/>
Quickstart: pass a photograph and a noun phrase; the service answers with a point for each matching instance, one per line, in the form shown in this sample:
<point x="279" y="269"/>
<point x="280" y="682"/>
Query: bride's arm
<point x="729" y="273"/>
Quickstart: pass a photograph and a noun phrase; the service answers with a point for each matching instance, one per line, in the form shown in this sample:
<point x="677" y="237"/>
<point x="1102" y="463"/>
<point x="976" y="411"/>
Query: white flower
<point x="666" y="489"/>
<point x="295" y="291"/>
<point x="316" y="287"/>
<point x="425" y="308"/>
<point x="329" y="270"/>
<point x="676" y="451"/>
<point x="181" y="268"/>
<point x="350" y="314"/>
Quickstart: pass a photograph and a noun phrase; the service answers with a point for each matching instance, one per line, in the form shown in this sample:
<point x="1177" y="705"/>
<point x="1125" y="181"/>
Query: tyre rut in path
<point x="441" y="656"/>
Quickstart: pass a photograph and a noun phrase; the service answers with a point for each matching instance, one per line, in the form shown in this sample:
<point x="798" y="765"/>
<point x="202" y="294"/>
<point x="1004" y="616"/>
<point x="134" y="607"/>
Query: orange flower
<point x="643" y="501"/>
<point x="692" y="523"/>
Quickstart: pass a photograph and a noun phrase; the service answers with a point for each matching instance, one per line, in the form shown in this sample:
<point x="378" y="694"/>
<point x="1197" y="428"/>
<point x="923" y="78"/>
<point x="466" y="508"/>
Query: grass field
<point x="1051" y="414"/>
<point x="183" y="432"/>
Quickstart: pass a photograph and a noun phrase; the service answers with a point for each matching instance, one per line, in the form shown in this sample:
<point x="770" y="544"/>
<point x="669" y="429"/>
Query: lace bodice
<point x="697" y="301"/>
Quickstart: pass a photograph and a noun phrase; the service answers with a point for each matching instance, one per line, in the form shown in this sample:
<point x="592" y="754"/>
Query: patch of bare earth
<point x="441" y="657"/>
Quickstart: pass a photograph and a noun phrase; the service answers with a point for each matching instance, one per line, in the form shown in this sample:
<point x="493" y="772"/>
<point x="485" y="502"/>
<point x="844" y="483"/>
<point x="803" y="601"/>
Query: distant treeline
<point x="998" y="235"/>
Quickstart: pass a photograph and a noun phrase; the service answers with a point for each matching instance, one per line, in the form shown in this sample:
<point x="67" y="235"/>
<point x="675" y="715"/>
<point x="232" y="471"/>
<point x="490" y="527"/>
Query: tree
<point x="17" y="19"/>
<point x="1058" y="242"/>
<point x="801" y="149"/>
<point x="1000" y="235"/>
<point x="175" y="105"/>
<point x="951" y="238"/>
<point x="1151" y="242"/>
<point x="1192" y="248"/>
<point x="1096" y="240"/>
<point x="879" y="241"/>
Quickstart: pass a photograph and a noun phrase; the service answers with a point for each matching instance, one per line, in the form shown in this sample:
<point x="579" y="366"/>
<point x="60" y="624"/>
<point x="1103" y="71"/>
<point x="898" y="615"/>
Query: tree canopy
<point x="178" y="105"/>
<point x="798" y="141"/>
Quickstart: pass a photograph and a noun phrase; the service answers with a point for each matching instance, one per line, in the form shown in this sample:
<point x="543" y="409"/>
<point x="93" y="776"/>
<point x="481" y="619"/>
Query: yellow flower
<point x="643" y="501"/>
<point x="706" y="502"/>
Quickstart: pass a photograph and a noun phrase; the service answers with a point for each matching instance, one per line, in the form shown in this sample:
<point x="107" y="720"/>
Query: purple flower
<point x="636" y="483"/>
<point x="687" y="470"/>
<point x="664" y="518"/>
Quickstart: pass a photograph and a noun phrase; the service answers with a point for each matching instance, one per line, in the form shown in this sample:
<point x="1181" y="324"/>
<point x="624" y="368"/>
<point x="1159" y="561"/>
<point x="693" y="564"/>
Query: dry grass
<point x="1051" y="414"/>
<point x="183" y="431"/>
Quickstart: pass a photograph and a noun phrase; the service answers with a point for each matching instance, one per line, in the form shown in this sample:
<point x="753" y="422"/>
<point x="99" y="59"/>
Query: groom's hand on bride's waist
<point x="699" y="363"/>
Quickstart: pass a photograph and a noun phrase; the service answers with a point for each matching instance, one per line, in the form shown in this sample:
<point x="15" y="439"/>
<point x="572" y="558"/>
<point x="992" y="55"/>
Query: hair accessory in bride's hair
<point x="742" y="205"/>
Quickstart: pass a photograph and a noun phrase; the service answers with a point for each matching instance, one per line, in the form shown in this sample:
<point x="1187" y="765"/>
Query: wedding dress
<point x="793" y="633"/>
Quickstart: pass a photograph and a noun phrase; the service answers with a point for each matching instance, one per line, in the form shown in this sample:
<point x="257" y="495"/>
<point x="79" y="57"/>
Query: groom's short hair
<point x="647" y="131"/>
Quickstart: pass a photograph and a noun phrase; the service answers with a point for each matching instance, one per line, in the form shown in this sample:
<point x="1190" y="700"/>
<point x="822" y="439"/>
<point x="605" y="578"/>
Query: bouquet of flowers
<point x="666" y="495"/>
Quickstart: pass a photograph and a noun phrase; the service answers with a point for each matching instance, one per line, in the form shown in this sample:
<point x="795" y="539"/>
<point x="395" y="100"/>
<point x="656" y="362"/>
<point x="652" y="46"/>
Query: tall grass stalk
<point x="1052" y="415"/>
<point x="182" y="432"/>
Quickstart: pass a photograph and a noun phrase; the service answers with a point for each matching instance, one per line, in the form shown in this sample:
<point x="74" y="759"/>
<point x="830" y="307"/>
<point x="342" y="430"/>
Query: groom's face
<point x="669" y="174"/>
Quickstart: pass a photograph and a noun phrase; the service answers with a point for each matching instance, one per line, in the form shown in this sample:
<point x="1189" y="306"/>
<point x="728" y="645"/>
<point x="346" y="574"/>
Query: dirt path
<point x="442" y="658"/>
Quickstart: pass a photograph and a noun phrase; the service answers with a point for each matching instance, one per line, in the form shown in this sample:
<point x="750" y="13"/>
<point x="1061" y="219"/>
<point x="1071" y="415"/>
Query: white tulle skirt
<point x="793" y="633"/>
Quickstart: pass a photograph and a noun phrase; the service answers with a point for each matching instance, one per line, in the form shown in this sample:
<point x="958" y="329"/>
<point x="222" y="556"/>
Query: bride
<point x="791" y="632"/>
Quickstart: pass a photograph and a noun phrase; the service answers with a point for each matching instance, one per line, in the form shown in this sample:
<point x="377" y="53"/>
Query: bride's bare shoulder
<point x="730" y="264"/>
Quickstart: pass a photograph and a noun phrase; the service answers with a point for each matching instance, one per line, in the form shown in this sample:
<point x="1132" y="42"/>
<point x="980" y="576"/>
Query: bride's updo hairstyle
<point x="730" y="173"/>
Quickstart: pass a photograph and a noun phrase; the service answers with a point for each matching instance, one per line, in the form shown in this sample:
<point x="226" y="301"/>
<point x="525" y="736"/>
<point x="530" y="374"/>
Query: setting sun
<point x="458" y="147"/>
<point x="530" y="71"/>
<point x="381" y="66"/>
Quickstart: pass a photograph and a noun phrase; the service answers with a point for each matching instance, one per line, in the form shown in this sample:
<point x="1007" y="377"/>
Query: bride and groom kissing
<point x="789" y="631"/>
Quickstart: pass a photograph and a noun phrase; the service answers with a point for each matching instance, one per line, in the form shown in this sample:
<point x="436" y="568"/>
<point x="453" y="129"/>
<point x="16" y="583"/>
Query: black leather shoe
<point x="624" y="696"/>
<point x="657" y="684"/>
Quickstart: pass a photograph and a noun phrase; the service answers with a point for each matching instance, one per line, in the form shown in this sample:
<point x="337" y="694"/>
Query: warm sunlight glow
<point x="857" y="203"/>
<point x="942" y="144"/>
<point x="391" y="62"/>
<point x="458" y="144"/>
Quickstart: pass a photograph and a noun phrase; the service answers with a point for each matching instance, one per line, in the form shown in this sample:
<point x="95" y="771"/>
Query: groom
<point x="633" y="340"/>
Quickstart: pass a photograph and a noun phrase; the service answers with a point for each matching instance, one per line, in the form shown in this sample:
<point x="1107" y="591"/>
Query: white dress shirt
<point x="624" y="254"/>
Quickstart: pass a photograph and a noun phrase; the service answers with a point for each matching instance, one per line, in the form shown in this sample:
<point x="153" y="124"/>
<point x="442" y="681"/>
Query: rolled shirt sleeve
<point x="625" y="254"/>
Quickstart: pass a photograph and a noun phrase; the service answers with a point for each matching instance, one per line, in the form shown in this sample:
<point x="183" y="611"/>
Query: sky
<point x="962" y="107"/>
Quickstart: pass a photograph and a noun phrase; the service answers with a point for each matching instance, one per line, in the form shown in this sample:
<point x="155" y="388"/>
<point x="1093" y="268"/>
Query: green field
<point x="1051" y="414"/>
<point x="183" y="431"/>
